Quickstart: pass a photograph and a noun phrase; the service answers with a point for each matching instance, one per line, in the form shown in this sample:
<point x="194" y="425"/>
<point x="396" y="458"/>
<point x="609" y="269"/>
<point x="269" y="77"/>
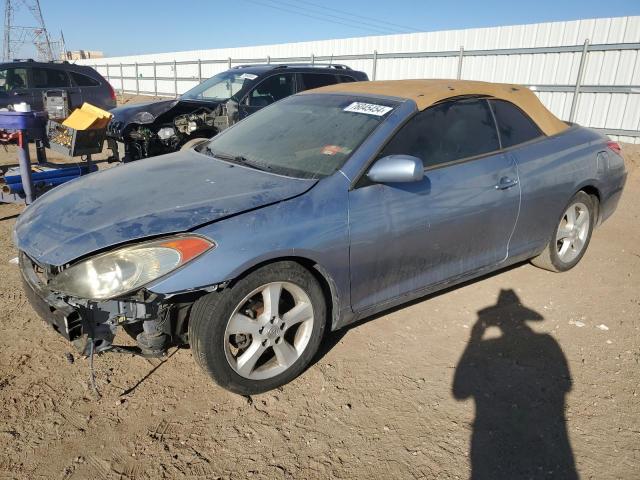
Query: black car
<point x="147" y="129"/>
<point x="27" y="81"/>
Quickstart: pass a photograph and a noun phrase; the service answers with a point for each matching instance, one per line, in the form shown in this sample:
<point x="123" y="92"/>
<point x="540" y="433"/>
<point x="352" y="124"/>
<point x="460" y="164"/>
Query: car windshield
<point x="220" y="87"/>
<point x="304" y="136"/>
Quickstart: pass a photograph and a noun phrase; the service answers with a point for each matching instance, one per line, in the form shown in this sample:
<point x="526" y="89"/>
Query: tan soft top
<point x="428" y="92"/>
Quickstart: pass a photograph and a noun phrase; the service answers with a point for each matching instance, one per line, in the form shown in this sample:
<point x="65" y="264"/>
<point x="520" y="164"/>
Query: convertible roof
<point x="429" y="92"/>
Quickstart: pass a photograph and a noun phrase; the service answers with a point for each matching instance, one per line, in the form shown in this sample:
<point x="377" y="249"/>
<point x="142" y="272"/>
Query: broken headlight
<point x="143" y="118"/>
<point x="165" y="133"/>
<point x="127" y="269"/>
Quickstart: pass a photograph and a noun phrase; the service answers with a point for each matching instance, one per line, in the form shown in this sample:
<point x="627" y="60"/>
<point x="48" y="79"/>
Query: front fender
<point x="312" y="226"/>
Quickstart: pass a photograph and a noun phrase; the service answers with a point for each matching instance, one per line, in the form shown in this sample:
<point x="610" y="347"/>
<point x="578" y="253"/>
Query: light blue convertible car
<point x="322" y="209"/>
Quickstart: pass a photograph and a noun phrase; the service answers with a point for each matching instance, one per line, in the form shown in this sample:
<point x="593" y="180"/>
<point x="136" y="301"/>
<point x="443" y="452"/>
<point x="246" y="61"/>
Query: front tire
<point x="571" y="236"/>
<point x="262" y="332"/>
<point x="133" y="329"/>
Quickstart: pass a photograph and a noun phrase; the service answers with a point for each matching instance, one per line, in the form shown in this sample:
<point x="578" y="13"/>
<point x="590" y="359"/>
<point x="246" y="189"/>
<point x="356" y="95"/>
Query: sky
<point x="130" y="27"/>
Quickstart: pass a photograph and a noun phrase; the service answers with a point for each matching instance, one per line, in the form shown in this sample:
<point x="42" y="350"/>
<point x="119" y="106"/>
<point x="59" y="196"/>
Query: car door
<point x="266" y="92"/>
<point x="14" y="86"/>
<point x="457" y="220"/>
<point x="46" y="79"/>
<point x="541" y="192"/>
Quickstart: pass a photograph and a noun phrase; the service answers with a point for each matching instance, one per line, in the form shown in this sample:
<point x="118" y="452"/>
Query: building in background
<point x="82" y="54"/>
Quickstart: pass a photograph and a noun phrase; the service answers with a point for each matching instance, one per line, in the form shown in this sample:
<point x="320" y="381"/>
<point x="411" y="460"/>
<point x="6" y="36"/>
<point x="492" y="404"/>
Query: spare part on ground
<point x="81" y="133"/>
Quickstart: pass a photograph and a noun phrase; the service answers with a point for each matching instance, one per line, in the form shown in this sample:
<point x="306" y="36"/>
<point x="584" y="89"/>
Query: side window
<point x="13" y="79"/>
<point x="49" y="78"/>
<point x="83" y="80"/>
<point x="446" y="132"/>
<point x="346" y="78"/>
<point x="316" y="80"/>
<point x="514" y="125"/>
<point x="271" y="90"/>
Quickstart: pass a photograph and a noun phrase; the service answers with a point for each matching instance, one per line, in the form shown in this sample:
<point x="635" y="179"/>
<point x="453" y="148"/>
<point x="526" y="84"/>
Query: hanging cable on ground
<point x="92" y="373"/>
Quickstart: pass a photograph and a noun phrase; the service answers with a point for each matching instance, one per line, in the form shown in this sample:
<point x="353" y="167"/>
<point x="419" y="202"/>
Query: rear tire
<point x="262" y="332"/>
<point x="192" y="143"/>
<point x="571" y="237"/>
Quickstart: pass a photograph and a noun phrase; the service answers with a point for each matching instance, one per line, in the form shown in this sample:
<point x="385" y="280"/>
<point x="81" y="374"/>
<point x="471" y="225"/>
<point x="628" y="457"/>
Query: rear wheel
<point x="262" y="332"/>
<point x="192" y="143"/>
<point x="571" y="237"/>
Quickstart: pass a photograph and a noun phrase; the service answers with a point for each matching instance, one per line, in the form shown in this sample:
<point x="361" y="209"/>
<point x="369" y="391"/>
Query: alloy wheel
<point x="573" y="232"/>
<point x="268" y="330"/>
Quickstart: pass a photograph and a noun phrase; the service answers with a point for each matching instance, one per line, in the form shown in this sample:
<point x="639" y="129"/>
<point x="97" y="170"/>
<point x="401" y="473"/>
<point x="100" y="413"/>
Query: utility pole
<point x="63" y="47"/>
<point x="8" y="13"/>
<point x="15" y="37"/>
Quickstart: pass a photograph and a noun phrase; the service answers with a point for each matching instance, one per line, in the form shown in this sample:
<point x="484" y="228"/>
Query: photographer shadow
<point x="518" y="382"/>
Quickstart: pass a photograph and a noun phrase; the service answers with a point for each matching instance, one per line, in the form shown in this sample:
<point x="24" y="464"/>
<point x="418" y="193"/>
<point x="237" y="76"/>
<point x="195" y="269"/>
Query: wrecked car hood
<point x="148" y="112"/>
<point x="162" y="195"/>
<point x="135" y="113"/>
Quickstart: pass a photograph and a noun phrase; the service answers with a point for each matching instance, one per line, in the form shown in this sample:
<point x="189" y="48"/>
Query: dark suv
<point x="26" y="81"/>
<point x="148" y="129"/>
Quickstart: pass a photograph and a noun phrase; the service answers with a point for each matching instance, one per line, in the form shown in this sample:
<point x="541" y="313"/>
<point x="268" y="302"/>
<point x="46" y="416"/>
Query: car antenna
<point x="331" y="59"/>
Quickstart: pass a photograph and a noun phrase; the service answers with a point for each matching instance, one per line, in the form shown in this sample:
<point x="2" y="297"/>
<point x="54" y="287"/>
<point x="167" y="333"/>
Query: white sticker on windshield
<point x="368" y="108"/>
<point x="248" y="76"/>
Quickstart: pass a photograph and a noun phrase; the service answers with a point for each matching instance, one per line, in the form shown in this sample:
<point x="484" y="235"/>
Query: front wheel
<point x="262" y="332"/>
<point x="571" y="237"/>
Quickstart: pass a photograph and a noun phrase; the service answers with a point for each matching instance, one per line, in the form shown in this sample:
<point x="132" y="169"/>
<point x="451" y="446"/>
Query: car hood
<point x="162" y="195"/>
<point x="147" y="112"/>
<point x="127" y="113"/>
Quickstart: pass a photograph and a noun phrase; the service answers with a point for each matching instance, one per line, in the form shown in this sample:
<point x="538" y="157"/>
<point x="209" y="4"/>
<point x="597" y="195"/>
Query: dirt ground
<point x="380" y="401"/>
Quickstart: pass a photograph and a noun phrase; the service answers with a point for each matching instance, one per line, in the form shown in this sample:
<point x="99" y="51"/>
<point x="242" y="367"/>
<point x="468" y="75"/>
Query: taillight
<point x="615" y="147"/>
<point x="112" y="92"/>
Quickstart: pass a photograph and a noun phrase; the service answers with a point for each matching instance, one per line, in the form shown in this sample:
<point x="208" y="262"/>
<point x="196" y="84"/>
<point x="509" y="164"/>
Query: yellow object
<point x="429" y="92"/>
<point x="87" y="117"/>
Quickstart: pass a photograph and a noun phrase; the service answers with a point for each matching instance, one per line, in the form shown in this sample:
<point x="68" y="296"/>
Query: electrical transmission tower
<point x="17" y="36"/>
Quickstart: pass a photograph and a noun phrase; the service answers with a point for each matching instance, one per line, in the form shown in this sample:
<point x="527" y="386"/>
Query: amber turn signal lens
<point x="189" y="247"/>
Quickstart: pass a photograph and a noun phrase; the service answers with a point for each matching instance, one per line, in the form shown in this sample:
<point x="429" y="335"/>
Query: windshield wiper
<point x="239" y="159"/>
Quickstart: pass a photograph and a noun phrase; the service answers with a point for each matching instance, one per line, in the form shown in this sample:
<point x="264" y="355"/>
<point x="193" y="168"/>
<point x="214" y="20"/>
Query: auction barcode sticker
<point x="368" y="108"/>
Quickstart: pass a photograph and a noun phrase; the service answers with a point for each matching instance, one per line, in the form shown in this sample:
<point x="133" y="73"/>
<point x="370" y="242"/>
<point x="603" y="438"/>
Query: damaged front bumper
<point x="155" y="324"/>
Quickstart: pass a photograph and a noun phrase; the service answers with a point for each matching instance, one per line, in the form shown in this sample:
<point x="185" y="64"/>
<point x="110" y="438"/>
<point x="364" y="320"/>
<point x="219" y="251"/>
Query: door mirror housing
<point x="396" y="169"/>
<point x="233" y="109"/>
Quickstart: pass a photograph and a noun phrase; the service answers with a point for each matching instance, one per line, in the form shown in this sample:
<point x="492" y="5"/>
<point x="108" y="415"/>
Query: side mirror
<point x="396" y="169"/>
<point x="232" y="107"/>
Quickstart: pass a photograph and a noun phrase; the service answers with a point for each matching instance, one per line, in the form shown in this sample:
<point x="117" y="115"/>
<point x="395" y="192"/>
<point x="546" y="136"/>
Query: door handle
<point x="506" y="182"/>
